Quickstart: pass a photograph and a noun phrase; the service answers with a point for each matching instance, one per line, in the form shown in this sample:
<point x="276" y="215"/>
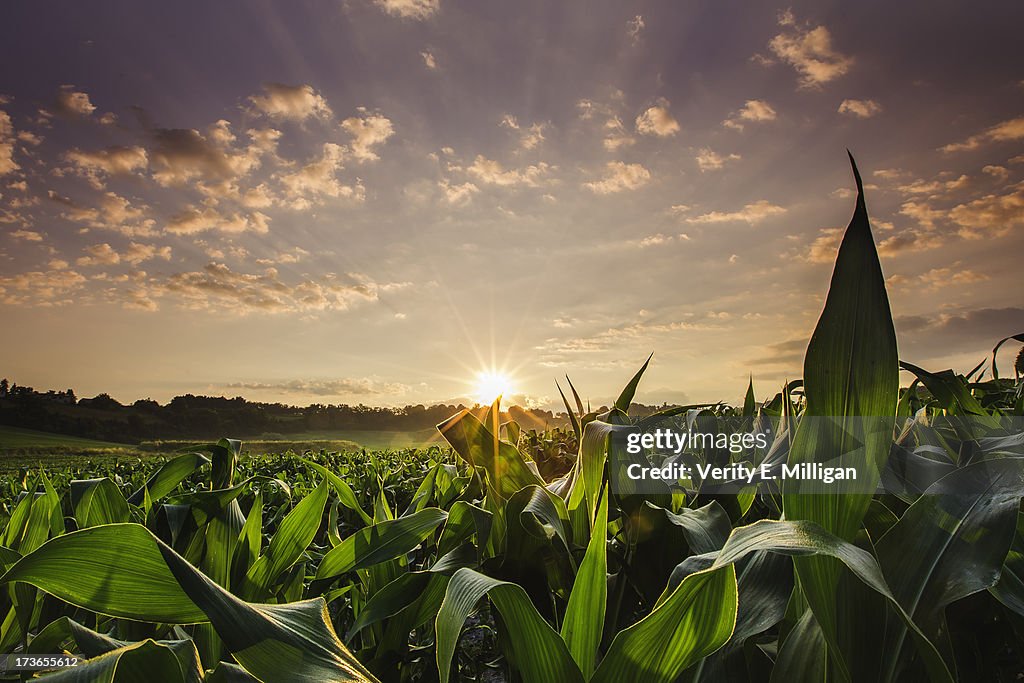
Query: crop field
<point x="501" y="554"/>
<point x="12" y="438"/>
<point x="372" y="439"/>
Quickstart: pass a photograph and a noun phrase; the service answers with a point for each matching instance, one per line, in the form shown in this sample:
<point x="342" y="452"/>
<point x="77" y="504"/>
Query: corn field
<point x="479" y="562"/>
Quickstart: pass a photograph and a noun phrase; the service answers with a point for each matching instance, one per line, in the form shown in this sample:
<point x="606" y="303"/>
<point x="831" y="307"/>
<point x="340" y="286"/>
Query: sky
<point x="373" y="201"/>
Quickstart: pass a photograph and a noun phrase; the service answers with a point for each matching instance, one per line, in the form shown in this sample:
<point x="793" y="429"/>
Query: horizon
<point x="421" y="191"/>
<point x="458" y="402"/>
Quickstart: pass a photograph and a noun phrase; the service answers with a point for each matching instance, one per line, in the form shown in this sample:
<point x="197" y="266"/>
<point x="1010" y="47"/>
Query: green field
<point x="21" y="448"/>
<point x="368" y="439"/>
<point x="18" y="438"/>
<point x="18" y="441"/>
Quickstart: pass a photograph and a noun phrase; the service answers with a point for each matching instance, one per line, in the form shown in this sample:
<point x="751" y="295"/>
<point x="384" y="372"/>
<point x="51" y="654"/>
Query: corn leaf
<point x="166" y="479"/>
<point x="537" y="651"/>
<point x="296" y="531"/>
<point x="293" y="642"/>
<point x="507" y="471"/>
<point x="851" y="384"/>
<point x="147" y="660"/>
<point x="960" y="530"/>
<point x="584" y="615"/>
<point x="380" y="542"/>
<point x="696" y="619"/>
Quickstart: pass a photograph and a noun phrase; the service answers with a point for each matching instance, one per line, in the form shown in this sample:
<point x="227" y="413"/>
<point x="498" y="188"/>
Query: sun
<point x="489" y="385"/>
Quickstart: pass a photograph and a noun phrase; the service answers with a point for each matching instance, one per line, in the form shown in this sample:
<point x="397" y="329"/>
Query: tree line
<point x="191" y="417"/>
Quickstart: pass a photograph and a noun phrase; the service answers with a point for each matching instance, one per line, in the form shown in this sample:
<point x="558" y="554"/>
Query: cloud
<point x="533" y="136"/>
<point x="616" y="135"/>
<point x="293" y="102"/>
<point x="824" y="247"/>
<point x="72" y="102"/>
<point x="994" y="214"/>
<point x="862" y="109"/>
<point x="7" y="163"/>
<point x="410" y="9"/>
<point x="317" y="179"/>
<point x="429" y="60"/>
<point x="655" y="240"/>
<point x="99" y="255"/>
<point x="617" y="337"/>
<point x="363" y="386"/>
<point x="30" y="138"/>
<point x="110" y="161"/>
<point x="751" y="213"/>
<point x="53" y="287"/>
<point x="112" y="212"/>
<point x="106" y="255"/>
<point x="181" y="154"/>
<point x="809" y="51"/>
<point x="220" y="132"/>
<point x="137" y="253"/>
<point x="529" y="138"/>
<point x="946" y="333"/>
<point x="1000" y="173"/>
<point x="194" y="220"/>
<point x="910" y="241"/>
<point x="933" y="187"/>
<point x="657" y="121"/>
<point x="619" y="176"/>
<point x="634" y="27"/>
<point x="889" y="173"/>
<point x="458" y="195"/>
<point x="937" y="278"/>
<point x="921" y="212"/>
<point x="492" y="172"/>
<point x="217" y="287"/>
<point x="368" y="131"/>
<point x="1006" y="131"/>
<point x="295" y="255"/>
<point x="789" y="352"/>
<point x="753" y="111"/>
<point x="26" y="235"/>
<point x="710" y="160"/>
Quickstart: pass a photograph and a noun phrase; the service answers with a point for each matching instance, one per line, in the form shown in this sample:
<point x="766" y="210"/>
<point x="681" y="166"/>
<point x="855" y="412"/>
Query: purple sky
<point x="374" y="200"/>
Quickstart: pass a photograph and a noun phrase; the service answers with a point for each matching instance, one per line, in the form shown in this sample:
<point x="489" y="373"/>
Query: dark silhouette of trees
<point x="201" y="417"/>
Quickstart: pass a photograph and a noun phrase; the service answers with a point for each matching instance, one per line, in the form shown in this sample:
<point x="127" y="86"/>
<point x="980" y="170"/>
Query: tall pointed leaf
<point x="626" y="397"/>
<point x="296" y="531"/>
<point x="851" y="383"/>
<point x="584" y="615"/>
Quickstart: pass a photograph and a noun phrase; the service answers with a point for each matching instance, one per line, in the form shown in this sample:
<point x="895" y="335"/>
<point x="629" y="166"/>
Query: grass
<point x="376" y="440"/>
<point x="16" y="437"/>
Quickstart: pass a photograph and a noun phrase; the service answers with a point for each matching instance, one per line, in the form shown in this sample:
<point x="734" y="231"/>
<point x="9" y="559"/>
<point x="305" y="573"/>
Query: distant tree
<point x="147" y="405"/>
<point x="102" y="401"/>
<point x="4" y="387"/>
